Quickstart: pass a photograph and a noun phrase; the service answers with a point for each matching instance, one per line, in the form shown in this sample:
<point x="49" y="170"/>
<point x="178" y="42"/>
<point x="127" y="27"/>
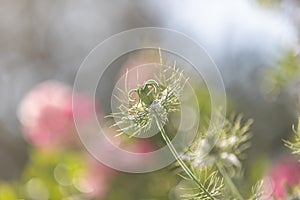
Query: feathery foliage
<point x="210" y="180"/>
<point x="257" y="191"/>
<point x="294" y="145"/>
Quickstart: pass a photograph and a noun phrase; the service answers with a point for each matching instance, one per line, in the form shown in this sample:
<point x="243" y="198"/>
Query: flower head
<point x="149" y="102"/>
<point x="227" y="148"/>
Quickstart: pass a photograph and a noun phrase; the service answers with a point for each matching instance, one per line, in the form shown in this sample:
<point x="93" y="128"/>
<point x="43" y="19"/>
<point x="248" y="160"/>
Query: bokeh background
<point x="255" y="45"/>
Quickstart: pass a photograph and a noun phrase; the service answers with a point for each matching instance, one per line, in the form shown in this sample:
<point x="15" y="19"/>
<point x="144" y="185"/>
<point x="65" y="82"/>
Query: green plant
<point x="212" y="160"/>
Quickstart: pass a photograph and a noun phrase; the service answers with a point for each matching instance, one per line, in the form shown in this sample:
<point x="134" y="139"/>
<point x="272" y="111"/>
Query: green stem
<point x="180" y="161"/>
<point x="229" y="182"/>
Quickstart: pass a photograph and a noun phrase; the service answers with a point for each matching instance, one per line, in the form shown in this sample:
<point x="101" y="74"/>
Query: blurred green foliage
<point x="48" y="175"/>
<point x="53" y="175"/>
<point x="285" y="73"/>
<point x="155" y="185"/>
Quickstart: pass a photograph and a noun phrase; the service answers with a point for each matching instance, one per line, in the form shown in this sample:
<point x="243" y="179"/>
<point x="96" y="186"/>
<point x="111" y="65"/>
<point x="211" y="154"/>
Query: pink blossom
<point x="139" y="69"/>
<point x="140" y="146"/>
<point x="99" y="178"/>
<point x="46" y="114"/>
<point x="284" y="174"/>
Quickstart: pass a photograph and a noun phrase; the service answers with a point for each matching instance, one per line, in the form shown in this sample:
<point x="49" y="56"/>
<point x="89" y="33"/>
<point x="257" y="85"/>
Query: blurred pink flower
<point x="99" y="178"/>
<point x="140" y="68"/>
<point x="140" y="146"/>
<point x="284" y="174"/>
<point x="46" y="114"/>
<point x="138" y="72"/>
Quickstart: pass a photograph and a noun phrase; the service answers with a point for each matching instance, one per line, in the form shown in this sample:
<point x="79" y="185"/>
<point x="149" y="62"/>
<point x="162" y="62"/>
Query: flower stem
<point x="180" y="161"/>
<point x="229" y="182"/>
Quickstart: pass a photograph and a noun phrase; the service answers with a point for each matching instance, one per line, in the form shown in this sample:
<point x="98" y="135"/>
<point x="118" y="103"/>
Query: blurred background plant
<point x="255" y="44"/>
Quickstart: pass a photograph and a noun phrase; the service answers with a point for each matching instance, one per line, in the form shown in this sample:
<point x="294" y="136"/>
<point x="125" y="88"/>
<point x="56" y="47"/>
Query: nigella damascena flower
<point x="227" y="148"/>
<point x="150" y="102"/>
